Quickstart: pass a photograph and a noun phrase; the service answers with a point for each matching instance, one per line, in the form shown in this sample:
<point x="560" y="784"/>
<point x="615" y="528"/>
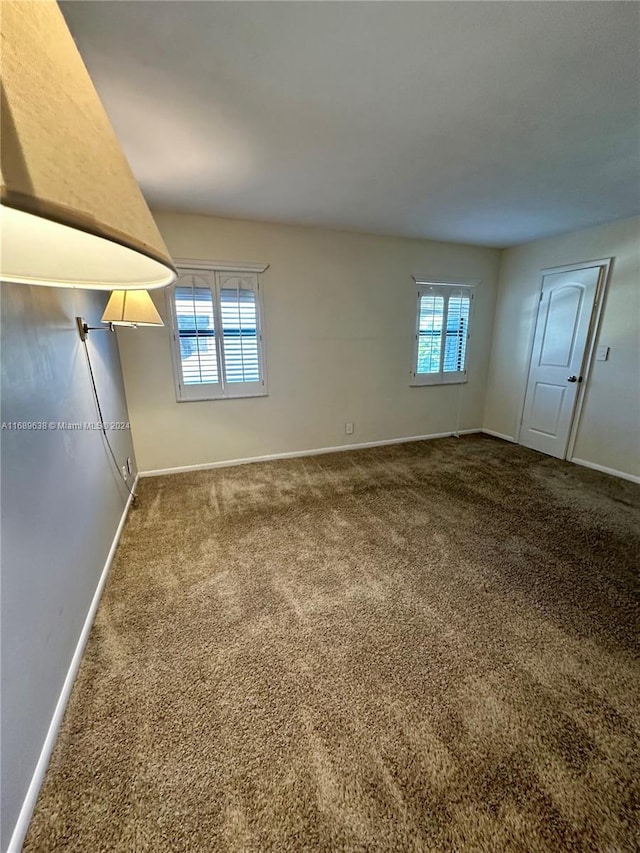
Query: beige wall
<point x="339" y="322"/>
<point x="609" y="429"/>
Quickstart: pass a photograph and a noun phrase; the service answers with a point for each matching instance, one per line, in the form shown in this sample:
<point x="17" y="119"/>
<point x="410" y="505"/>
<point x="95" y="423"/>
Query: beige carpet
<point x="425" y="647"/>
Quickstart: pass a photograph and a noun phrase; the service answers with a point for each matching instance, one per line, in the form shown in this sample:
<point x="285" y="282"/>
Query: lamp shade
<point x="131" y="308"/>
<point x="72" y="214"/>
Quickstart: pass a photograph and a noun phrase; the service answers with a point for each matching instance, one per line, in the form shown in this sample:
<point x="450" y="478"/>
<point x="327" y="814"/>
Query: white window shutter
<point x="217" y="341"/>
<point x="240" y="327"/>
<point x="442" y="332"/>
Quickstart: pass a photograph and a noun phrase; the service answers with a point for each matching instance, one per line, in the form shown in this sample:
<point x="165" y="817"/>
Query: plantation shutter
<point x="239" y="318"/>
<point x="196" y="332"/>
<point x="456" y="336"/>
<point x="218" y="349"/>
<point x="240" y="330"/>
<point x="430" y="323"/>
<point x="442" y="333"/>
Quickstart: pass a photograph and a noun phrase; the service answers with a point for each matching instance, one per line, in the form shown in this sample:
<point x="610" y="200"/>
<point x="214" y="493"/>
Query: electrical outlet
<point x="348" y="428"/>
<point x="129" y="466"/>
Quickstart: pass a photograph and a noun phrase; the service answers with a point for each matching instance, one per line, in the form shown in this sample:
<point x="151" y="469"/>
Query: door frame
<point x="606" y="265"/>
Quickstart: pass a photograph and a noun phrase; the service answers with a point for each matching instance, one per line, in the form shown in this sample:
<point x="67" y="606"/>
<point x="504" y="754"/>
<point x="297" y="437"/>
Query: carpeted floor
<point x="425" y="647"/>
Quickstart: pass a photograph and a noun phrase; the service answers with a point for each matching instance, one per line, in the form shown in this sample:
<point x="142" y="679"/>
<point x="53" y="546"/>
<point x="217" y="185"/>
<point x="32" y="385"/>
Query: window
<point x="217" y="335"/>
<point x="442" y="332"/>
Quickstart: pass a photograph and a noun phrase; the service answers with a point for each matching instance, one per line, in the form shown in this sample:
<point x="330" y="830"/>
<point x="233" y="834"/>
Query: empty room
<point x="320" y="483"/>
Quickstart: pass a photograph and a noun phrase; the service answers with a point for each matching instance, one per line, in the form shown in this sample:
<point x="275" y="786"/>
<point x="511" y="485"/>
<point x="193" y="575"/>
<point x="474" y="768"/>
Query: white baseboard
<point x="500" y="435"/>
<point x="622" y="474"/>
<point x="227" y="463"/>
<point x="22" y="824"/>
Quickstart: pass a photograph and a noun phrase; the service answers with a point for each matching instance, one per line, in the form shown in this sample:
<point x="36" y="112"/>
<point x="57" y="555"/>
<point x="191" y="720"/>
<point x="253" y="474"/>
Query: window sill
<point x="220" y="398"/>
<point x="430" y="383"/>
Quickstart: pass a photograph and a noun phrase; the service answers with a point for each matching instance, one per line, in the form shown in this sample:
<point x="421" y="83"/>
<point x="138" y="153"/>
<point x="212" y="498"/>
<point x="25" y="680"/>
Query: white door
<point x="555" y="372"/>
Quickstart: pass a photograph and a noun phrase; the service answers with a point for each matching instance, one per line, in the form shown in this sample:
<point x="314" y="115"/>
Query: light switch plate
<point x="602" y="353"/>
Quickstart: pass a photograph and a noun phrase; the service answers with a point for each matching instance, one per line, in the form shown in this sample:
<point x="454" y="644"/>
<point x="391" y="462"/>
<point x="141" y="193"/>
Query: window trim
<point x="220" y="266"/>
<point x="446" y="288"/>
<point x="210" y="272"/>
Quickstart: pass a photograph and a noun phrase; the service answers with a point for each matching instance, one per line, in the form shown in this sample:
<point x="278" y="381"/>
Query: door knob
<point x="572" y="379"/>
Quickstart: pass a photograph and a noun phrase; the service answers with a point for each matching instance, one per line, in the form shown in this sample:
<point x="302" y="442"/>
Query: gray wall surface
<point x="61" y="501"/>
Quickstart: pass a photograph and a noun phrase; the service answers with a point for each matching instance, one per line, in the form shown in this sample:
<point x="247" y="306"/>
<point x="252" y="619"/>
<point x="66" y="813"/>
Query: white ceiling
<point x="489" y="123"/>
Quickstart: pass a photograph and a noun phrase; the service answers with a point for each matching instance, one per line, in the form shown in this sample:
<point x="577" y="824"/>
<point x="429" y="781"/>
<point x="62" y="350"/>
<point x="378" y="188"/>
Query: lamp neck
<point x="84" y="328"/>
